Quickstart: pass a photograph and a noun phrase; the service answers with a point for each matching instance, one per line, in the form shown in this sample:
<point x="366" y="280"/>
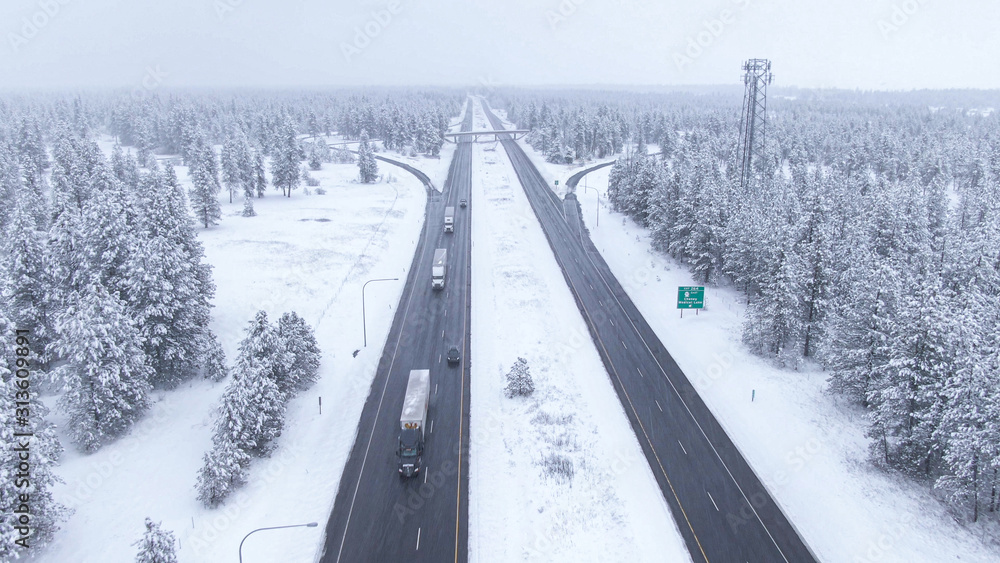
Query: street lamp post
<point x="309" y="525"/>
<point x="364" y="327"/>
<point x="597" y="220"/>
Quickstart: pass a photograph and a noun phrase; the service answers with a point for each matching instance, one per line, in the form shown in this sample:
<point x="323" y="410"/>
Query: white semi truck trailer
<point x="413" y="421"/>
<point x="439" y="268"/>
<point x="449" y="219"/>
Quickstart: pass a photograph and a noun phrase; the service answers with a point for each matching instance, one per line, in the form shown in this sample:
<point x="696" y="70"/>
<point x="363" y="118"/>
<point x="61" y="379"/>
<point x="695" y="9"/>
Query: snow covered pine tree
<point x="157" y="545"/>
<point x="368" y="169"/>
<point x="519" y="382"/>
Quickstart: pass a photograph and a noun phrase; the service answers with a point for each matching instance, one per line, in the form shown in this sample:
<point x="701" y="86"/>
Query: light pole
<point x="309" y="525"/>
<point x="597" y="220"/>
<point x="364" y="327"/>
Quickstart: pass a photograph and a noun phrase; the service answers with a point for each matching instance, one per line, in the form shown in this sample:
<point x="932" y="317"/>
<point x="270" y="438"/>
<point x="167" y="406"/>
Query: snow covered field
<point x="558" y="475"/>
<point x="807" y="447"/>
<point x="307" y="253"/>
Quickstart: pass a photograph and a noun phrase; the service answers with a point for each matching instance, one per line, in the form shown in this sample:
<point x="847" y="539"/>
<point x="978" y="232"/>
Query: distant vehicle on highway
<point x="453" y="356"/>
<point x="462" y="203"/>
<point x="439" y="268"/>
<point x="412" y="422"/>
<point x="449" y="219"/>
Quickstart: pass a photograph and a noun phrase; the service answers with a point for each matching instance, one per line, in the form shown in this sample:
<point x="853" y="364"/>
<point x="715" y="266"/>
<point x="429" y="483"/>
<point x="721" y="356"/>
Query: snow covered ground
<point x="307" y="253"/>
<point x="807" y="447"/>
<point x="436" y="168"/>
<point x="559" y="475"/>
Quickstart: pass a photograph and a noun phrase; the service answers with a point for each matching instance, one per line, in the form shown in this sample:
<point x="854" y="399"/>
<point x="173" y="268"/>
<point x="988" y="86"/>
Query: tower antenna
<point x="756" y="76"/>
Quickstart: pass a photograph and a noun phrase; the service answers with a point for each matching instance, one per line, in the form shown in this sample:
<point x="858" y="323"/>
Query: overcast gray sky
<point x="869" y="44"/>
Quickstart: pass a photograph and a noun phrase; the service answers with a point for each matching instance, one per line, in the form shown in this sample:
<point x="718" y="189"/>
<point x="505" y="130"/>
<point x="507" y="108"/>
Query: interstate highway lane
<point x="377" y="515"/>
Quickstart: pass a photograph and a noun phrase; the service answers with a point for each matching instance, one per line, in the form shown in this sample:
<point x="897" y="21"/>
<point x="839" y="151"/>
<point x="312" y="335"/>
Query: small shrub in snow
<point x="157" y="545"/>
<point x="559" y="467"/>
<point x="248" y="207"/>
<point x="307" y="177"/>
<point x="519" y="380"/>
<point x="320" y="191"/>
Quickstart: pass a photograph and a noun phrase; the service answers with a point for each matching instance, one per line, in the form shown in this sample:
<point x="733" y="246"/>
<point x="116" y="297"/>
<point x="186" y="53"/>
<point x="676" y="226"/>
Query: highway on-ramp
<point x="378" y="515"/>
<point x="722" y="510"/>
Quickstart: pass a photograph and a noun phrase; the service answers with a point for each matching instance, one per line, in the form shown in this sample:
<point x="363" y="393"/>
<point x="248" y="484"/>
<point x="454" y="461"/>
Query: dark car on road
<point x="453" y="356"/>
<point x="462" y="203"/>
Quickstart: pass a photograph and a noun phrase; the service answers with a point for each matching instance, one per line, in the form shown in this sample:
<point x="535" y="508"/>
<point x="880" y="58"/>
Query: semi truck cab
<point x="411" y="448"/>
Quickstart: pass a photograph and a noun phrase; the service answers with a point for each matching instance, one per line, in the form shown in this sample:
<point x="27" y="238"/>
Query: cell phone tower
<point x="756" y="76"/>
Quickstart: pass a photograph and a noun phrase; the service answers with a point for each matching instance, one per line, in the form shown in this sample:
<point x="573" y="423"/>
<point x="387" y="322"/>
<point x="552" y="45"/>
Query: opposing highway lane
<point x="721" y="508"/>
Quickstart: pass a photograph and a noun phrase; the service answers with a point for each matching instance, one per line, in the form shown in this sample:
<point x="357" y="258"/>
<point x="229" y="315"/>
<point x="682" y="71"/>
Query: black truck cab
<point x="411" y="448"/>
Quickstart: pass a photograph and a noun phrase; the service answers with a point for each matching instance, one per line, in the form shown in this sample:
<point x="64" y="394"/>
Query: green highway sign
<point x="692" y="297"/>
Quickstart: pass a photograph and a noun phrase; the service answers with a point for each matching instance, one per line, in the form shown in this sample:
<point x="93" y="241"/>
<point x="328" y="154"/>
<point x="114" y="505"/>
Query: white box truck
<point x="439" y="268"/>
<point x="413" y="421"/>
<point x="449" y="219"/>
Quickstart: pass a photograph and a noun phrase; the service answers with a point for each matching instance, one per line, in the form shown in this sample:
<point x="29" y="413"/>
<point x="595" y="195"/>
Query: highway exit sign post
<point x="691" y="297"/>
